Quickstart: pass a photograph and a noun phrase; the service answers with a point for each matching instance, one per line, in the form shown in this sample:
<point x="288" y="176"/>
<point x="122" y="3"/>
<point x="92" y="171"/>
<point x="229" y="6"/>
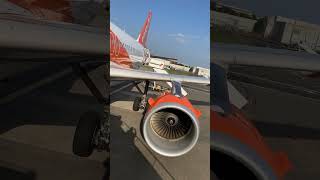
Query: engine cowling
<point x="171" y="126"/>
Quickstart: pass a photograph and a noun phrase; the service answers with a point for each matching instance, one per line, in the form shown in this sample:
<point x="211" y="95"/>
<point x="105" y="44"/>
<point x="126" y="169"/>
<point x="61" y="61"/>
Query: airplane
<point x="71" y="33"/>
<point x="236" y="145"/>
<point x="170" y="124"/>
<point x="67" y="32"/>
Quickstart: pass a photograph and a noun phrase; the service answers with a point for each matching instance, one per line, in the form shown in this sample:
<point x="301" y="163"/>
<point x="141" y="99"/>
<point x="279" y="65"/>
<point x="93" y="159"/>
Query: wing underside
<point x="25" y="35"/>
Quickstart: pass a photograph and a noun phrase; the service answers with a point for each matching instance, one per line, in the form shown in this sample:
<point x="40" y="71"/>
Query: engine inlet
<point x="169" y="125"/>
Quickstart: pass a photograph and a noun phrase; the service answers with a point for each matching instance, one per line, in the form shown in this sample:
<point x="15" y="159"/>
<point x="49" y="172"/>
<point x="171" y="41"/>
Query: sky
<point x="179" y="28"/>
<point x="306" y="10"/>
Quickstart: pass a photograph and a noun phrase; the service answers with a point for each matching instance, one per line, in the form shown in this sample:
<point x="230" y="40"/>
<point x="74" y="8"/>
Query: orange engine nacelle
<point x="171" y="126"/>
<point x="237" y="137"/>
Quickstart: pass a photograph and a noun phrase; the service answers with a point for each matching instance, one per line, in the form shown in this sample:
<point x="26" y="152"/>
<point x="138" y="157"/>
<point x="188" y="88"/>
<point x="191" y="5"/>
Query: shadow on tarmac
<point x="53" y="104"/>
<point x="126" y="159"/>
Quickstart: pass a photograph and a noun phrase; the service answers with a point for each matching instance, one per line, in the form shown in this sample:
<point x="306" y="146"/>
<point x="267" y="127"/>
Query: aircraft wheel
<point x="83" y="141"/>
<point x="136" y="104"/>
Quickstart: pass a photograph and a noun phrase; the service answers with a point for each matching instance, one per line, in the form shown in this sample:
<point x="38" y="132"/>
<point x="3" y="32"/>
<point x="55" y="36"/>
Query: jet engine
<point x="170" y="126"/>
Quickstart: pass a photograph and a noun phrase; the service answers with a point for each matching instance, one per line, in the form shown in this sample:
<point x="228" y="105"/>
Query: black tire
<point x="136" y="104"/>
<point x="83" y="137"/>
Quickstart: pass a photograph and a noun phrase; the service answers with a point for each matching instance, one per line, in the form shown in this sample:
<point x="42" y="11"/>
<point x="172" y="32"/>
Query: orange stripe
<point x="118" y="54"/>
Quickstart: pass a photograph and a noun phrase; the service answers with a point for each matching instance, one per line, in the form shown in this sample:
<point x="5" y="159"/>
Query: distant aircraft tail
<point x="142" y="38"/>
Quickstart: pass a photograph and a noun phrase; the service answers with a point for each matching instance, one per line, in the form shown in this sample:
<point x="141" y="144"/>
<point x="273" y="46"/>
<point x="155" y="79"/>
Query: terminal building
<point x="200" y="71"/>
<point x="180" y="67"/>
<point x="290" y="32"/>
<point x="167" y="63"/>
<point x="232" y="18"/>
<point x="287" y="32"/>
<point x="161" y="62"/>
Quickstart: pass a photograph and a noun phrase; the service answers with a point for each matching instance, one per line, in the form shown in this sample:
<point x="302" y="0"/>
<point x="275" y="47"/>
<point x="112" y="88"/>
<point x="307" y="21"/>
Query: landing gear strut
<point x="141" y="102"/>
<point x="92" y="131"/>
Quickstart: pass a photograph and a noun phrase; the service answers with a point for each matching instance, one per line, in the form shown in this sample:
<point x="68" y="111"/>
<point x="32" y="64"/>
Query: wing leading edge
<point x="225" y="54"/>
<point x="122" y="73"/>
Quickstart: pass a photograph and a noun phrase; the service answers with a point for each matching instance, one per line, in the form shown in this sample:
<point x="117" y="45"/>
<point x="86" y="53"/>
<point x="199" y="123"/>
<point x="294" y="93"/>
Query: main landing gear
<point x="84" y="137"/>
<point x="92" y="131"/>
<point x="141" y="102"/>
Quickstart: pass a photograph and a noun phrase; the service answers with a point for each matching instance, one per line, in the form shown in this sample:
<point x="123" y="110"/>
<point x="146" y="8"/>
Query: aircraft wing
<point x="266" y="57"/>
<point x="21" y="34"/>
<point x="124" y="73"/>
<point x="226" y="54"/>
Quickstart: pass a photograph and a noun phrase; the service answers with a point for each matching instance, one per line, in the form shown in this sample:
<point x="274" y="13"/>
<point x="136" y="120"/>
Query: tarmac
<point x="38" y="120"/>
<point x="130" y="156"/>
<point x="284" y="105"/>
<point x="40" y="108"/>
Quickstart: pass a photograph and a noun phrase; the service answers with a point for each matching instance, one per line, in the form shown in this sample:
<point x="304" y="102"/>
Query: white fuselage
<point x="135" y="51"/>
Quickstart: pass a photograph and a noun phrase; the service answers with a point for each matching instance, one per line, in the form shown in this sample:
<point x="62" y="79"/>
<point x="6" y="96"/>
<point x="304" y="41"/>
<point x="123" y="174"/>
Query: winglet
<point x="142" y="38"/>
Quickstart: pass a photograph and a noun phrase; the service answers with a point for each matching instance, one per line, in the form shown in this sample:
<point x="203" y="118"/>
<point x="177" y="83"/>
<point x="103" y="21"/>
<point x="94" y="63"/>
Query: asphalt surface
<point x="131" y="158"/>
<point x="40" y="107"/>
<point x="38" y="122"/>
<point x="287" y="118"/>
